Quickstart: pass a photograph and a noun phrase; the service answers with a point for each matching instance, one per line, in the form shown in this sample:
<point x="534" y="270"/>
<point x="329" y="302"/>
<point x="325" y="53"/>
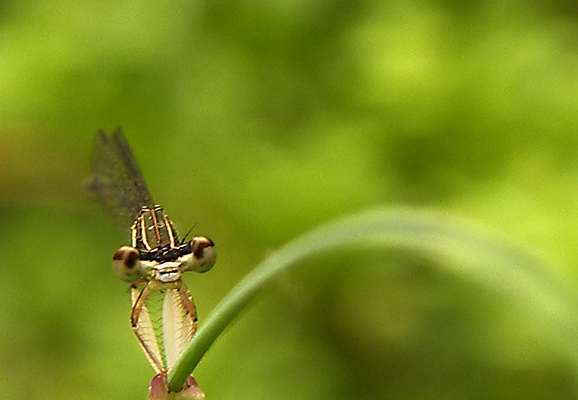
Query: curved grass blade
<point x="481" y="254"/>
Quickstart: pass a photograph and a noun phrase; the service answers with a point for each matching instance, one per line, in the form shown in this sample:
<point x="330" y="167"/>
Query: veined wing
<point x="116" y="178"/>
<point x="164" y="320"/>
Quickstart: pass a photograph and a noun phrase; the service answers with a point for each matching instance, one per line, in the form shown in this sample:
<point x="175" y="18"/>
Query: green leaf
<point x="469" y="250"/>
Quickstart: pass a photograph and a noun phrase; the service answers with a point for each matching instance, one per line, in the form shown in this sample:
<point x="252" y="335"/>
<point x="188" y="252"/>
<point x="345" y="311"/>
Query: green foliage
<point x="255" y="122"/>
<point x="471" y="254"/>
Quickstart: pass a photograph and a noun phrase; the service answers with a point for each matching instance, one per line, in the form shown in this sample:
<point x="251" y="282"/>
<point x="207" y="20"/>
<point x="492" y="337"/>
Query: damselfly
<point x="163" y="314"/>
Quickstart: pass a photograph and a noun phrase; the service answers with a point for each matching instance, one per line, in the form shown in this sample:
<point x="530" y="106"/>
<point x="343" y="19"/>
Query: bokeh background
<point x="254" y="121"/>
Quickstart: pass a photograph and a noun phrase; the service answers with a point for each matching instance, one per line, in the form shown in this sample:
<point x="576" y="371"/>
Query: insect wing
<point x="116" y="178"/>
<point x="164" y="320"/>
<point x="180" y="322"/>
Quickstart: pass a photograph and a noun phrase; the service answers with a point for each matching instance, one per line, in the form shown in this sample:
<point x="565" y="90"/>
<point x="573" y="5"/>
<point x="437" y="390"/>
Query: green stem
<point x="482" y="255"/>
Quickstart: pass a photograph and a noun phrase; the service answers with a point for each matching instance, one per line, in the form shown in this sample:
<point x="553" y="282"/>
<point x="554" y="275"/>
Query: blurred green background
<point x="254" y="121"/>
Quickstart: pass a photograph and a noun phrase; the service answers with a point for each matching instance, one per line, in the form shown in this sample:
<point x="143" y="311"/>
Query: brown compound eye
<point x="204" y="254"/>
<point x="125" y="264"/>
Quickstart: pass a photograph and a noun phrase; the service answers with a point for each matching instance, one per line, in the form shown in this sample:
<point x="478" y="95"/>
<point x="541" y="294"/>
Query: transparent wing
<point x="164" y="320"/>
<point x="116" y="178"/>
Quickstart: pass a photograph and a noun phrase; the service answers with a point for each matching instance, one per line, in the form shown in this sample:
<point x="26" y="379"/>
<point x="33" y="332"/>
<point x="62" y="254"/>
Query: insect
<point x="163" y="316"/>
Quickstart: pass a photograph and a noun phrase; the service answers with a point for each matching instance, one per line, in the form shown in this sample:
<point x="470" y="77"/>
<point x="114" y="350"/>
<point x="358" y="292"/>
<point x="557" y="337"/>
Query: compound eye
<point x="204" y="254"/>
<point x="125" y="264"/>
